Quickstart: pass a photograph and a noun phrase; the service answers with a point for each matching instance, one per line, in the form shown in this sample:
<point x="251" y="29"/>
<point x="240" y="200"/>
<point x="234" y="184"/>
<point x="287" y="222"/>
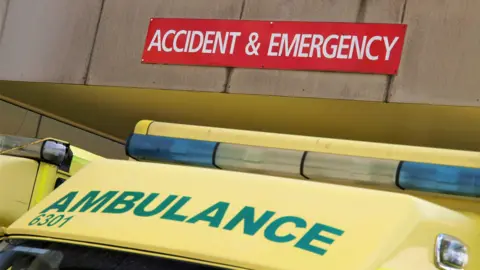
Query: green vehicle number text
<point x="50" y="220"/>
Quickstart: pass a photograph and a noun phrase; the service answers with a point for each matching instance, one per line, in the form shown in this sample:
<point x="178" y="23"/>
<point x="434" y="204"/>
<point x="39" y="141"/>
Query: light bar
<point x="425" y="177"/>
<point x="359" y="170"/>
<point x="46" y="150"/>
<point x="171" y="150"/>
<point x="440" y="178"/>
<point x="278" y="162"/>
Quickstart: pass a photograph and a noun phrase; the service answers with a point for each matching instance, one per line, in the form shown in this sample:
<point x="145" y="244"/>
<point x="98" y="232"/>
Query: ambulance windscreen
<point x="47" y="150"/>
<point x="29" y="254"/>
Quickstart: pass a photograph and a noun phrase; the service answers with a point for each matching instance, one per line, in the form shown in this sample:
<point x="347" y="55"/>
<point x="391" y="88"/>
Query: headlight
<point x="450" y="253"/>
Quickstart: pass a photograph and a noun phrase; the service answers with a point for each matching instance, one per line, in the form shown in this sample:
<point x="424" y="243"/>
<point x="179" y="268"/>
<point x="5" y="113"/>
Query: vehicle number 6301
<point x="50" y="220"/>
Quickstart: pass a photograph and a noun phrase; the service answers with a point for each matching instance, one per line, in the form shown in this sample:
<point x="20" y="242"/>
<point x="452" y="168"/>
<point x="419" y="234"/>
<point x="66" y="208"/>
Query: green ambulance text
<point x="169" y="208"/>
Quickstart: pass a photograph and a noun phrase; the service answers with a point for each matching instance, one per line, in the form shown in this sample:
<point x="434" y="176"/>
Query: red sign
<point x="345" y="47"/>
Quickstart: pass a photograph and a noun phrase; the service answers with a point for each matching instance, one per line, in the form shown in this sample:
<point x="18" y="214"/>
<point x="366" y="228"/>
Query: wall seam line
<point x="4" y="19"/>
<point x="404" y="9"/>
<point x="89" y="64"/>
<point x="39" y="123"/>
<point x="229" y="70"/>
<point x="362" y="7"/>
<point x="391" y="78"/>
<point x="22" y="123"/>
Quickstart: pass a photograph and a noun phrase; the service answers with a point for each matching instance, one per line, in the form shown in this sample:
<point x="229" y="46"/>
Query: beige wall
<point x="15" y="120"/>
<point x="54" y="41"/>
<point x="48" y="40"/>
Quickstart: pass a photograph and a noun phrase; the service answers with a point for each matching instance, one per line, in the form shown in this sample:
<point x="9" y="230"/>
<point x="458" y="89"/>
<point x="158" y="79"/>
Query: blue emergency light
<point x="407" y="175"/>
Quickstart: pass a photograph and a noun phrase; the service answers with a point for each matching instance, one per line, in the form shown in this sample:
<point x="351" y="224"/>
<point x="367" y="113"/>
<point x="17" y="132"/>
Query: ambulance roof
<point x="232" y="218"/>
<point x="81" y="158"/>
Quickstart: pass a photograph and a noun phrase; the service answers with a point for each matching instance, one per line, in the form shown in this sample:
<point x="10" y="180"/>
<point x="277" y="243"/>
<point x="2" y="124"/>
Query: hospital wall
<point x="15" y="120"/>
<point x="97" y="42"/>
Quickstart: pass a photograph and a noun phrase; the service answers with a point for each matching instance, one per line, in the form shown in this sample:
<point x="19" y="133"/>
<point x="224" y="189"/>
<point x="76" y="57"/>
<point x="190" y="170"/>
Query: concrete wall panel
<point x="17" y="121"/>
<point x="85" y="140"/>
<point x="381" y="11"/>
<point x="48" y="40"/>
<point x="441" y="58"/>
<point x="122" y="31"/>
<point x="310" y="84"/>
<point x="302" y="10"/>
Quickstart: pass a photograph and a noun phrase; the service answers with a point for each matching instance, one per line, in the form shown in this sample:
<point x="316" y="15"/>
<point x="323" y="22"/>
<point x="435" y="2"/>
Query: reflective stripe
<point x="44" y="183"/>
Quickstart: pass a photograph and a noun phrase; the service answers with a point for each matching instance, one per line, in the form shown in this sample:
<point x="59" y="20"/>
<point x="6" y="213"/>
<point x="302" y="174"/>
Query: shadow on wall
<point x="115" y="111"/>
<point x="18" y="121"/>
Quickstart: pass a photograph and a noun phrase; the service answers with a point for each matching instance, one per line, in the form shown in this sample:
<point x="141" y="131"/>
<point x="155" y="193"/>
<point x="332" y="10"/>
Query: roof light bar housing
<point x="437" y="178"/>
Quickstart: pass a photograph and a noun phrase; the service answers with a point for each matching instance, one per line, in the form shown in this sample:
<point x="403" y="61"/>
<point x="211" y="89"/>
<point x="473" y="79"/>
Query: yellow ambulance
<point x="31" y="168"/>
<point x="211" y="198"/>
